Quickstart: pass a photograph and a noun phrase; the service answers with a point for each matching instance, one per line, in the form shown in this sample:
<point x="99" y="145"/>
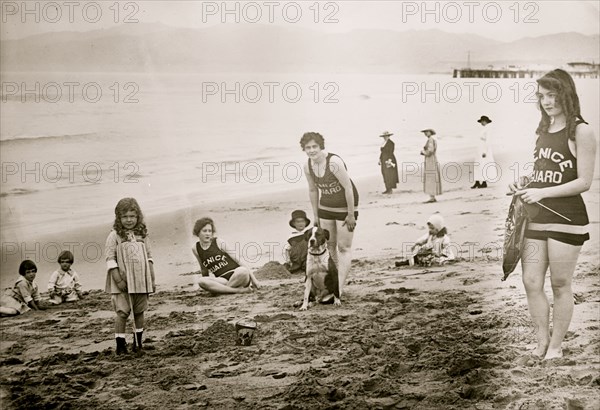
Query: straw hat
<point x="386" y="134"/>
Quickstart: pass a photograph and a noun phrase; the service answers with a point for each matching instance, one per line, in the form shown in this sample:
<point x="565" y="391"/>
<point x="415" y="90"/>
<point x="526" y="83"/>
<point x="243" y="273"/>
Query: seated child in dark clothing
<point x="296" y="247"/>
<point x="433" y="247"/>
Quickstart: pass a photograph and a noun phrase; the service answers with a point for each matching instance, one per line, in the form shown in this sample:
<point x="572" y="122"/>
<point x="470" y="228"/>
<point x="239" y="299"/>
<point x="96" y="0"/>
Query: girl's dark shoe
<point x="476" y="185"/>
<point x="121" y="345"/>
<point x="483" y="185"/>
<point x="138" y="337"/>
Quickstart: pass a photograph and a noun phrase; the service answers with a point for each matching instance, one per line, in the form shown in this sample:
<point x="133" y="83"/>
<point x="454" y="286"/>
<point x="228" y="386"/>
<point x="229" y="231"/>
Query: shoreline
<point x="386" y="225"/>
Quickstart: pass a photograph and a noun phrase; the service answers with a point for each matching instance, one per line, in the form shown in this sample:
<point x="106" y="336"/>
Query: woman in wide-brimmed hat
<point x="432" y="179"/>
<point x="387" y="161"/>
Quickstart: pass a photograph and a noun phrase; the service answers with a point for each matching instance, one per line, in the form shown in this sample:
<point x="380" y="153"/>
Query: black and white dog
<point x="321" y="273"/>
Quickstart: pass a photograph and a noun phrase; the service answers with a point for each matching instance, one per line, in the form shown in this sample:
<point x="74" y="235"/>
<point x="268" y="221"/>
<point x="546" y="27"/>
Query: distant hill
<point x="260" y="48"/>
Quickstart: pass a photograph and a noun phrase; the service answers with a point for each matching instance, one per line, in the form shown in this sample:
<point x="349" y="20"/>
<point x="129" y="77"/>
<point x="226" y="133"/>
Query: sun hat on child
<point x="436" y="221"/>
<point x="299" y="214"/>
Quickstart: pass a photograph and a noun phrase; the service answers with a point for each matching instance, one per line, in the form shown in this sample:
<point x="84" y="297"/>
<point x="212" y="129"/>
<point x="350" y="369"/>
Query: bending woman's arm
<point x="586" y="157"/>
<point x="339" y="170"/>
<point x="313" y="194"/>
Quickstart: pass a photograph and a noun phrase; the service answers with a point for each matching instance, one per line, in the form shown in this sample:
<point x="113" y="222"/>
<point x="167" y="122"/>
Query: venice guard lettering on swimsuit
<point x="545" y="175"/>
<point x="217" y="262"/>
<point x="331" y="188"/>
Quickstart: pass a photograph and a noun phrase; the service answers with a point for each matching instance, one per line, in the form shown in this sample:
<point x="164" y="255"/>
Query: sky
<point x="501" y="19"/>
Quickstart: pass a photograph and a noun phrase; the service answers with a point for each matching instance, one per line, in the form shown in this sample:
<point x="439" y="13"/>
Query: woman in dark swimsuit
<point x="564" y="155"/>
<point x="334" y="200"/>
<point x="221" y="271"/>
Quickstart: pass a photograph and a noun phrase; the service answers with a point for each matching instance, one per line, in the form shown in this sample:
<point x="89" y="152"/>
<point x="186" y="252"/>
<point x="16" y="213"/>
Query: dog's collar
<point x="318" y="254"/>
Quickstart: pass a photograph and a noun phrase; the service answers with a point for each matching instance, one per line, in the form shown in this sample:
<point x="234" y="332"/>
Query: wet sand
<point x="453" y="337"/>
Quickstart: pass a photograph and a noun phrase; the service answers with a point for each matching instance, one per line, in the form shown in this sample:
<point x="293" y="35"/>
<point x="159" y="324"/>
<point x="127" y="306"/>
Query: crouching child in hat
<point x="296" y="247"/>
<point x="433" y="248"/>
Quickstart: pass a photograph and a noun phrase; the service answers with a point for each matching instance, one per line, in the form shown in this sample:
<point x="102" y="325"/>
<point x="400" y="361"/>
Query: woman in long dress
<point x="432" y="179"/>
<point x="389" y="165"/>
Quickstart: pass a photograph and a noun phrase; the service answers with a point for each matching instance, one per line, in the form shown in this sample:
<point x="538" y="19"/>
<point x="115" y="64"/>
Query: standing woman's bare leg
<point x="535" y="265"/>
<point x="344" y="244"/>
<point x="563" y="259"/>
<point x="332" y="242"/>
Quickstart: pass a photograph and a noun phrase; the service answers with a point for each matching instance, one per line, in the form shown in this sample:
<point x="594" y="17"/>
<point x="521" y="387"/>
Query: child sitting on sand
<point x="25" y="295"/>
<point x="64" y="285"/>
<point x="433" y="247"/>
<point x="130" y="270"/>
<point x="222" y="272"/>
<point x="296" y="247"/>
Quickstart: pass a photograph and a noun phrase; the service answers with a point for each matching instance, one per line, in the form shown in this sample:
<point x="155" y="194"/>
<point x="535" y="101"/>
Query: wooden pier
<point x="494" y="73"/>
<point x="577" y="70"/>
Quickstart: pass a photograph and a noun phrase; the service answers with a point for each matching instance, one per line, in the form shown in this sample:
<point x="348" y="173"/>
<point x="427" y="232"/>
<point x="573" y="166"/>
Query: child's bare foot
<point x="553" y="354"/>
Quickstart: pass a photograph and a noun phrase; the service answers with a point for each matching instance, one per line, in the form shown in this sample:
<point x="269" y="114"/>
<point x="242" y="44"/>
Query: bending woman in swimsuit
<point x="334" y="200"/>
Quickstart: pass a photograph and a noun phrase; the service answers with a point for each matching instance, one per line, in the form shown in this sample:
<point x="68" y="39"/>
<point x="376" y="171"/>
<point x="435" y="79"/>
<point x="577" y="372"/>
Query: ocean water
<point x="177" y="140"/>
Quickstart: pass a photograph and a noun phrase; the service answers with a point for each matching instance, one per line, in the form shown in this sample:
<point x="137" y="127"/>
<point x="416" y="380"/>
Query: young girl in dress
<point x="130" y="277"/>
<point x="222" y="272"/>
<point x="564" y="155"/>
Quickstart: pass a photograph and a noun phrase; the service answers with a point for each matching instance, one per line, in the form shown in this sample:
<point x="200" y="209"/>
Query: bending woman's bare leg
<point x="344" y="246"/>
<point x="330" y="225"/>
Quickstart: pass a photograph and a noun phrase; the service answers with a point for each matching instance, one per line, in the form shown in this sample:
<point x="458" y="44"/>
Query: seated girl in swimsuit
<point x="222" y="273"/>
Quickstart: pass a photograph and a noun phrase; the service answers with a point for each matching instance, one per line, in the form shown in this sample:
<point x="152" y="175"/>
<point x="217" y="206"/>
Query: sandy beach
<point x="451" y="337"/>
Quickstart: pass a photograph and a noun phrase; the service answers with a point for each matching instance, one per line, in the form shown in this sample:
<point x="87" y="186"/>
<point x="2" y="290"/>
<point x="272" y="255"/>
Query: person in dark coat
<point x="388" y="163"/>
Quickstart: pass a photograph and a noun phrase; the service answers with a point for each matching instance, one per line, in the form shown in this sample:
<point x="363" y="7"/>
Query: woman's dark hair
<point x="25" y="266"/>
<point x="562" y="83"/>
<point x="66" y="255"/>
<point x="123" y="206"/>
<point x="312" y="136"/>
<point x="441" y="233"/>
<point x="201" y="223"/>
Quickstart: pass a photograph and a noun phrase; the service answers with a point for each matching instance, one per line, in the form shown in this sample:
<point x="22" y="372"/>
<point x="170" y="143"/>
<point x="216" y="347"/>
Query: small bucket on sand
<point x="244" y="332"/>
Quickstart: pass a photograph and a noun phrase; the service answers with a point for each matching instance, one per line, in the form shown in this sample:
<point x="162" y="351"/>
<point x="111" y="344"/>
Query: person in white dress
<point x="484" y="168"/>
